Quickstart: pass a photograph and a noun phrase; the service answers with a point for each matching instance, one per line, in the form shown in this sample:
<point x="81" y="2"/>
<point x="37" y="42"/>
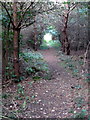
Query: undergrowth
<point x="72" y="64"/>
<point x="34" y="65"/>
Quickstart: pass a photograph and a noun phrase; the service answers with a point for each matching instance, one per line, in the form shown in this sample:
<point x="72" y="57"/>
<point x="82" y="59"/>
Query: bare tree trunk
<point x="35" y="36"/>
<point x="16" y="52"/>
<point x="66" y="44"/>
<point x="16" y="41"/>
<point x="3" y="57"/>
<point x="7" y="50"/>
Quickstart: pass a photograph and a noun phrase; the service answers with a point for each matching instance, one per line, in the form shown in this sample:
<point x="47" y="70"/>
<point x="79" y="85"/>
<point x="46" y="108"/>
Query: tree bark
<point x="16" y="32"/>
<point x="3" y="57"/>
<point x="16" y="52"/>
<point x="7" y="49"/>
<point x="65" y="42"/>
<point x="35" y="35"/>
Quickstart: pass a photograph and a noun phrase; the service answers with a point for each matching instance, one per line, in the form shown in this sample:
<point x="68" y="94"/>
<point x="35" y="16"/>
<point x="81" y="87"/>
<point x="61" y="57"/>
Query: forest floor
<point x="63" y="96"/>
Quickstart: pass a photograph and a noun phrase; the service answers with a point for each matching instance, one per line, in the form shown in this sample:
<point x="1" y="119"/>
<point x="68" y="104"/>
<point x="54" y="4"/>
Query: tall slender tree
<point x="16" y="32"/>
<point x="63" y="11"/>
<point x="68" y="8"/>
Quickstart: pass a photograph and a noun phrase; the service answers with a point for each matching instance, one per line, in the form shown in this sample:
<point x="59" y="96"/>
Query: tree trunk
<point x="16" y="32"/>
<point x="16" y="52"/>
<point x="3" y="57"/>
<point x="7" y="49"/>
<point x="35" y="36"/>
<point x="65" y="42"/>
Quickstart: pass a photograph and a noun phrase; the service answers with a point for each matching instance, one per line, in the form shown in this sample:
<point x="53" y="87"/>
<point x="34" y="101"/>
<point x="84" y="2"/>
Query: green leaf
<point x="7" y="68"/>
<point x="24" y="104"/>
<point x="76" y="71"/>
<point x="66" y="2"/>
<point x="33" y="96"/>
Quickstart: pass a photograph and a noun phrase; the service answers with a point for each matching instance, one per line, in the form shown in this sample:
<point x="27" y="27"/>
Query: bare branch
<point x="24" y="14"/>
<point x="72" y="8"/>
<point x="26" y="25"/>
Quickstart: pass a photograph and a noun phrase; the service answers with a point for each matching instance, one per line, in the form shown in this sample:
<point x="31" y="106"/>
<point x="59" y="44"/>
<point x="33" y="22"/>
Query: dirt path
<point x="53" y="98"/>
<point x="53" y="61"/>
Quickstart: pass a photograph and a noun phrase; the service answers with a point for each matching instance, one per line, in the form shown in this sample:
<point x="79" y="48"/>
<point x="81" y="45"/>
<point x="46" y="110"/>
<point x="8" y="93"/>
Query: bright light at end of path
<point x="48" y="37"/>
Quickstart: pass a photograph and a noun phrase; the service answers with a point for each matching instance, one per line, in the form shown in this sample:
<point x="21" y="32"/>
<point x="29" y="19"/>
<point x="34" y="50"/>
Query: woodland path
<point x="53" y="98"/>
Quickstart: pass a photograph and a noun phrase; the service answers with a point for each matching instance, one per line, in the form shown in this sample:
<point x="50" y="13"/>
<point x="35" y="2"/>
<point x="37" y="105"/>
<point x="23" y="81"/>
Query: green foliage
<point x="88" y="79"/>
<point x="5" y="19"/>
<point x="31" y="56"/>
<point x="32" y="44"/>
<point x="87" y="75"/>
<point x="78" y="86"/>
<point x="71" y="110"/>
<point x="52" y="30"/>
<point x="81" y="114"/>
<point x="9" y="72"/>
<point x="52" y="43"/>
<point x="79" y="101"/>
<point x="44" y="46"/>
<point x="20" y="90"/>
<point x="72" y="64"/>
<point x="12" y="115"/>
<point x="7" y="38"/>
<point x="36" y="78"/>
<point x="81" y="62"/>
<point x="19" y="79"/>
<point x="21" y="42"/>
<point x="7" y="41"/>
<point x="35" y="65"/>
<point x="30" y="70"/>
<point x="89" y="117"/>
<point x="66" y="2"/>
<point x="24" y="104"/>
<point x="5" y="95"/>
<point x="47" y="76"/>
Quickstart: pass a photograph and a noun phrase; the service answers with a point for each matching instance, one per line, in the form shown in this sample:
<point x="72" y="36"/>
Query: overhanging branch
<point x="26" y="25"/>
<point x="24" y="14"/>
<point x="4" y="6"/>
